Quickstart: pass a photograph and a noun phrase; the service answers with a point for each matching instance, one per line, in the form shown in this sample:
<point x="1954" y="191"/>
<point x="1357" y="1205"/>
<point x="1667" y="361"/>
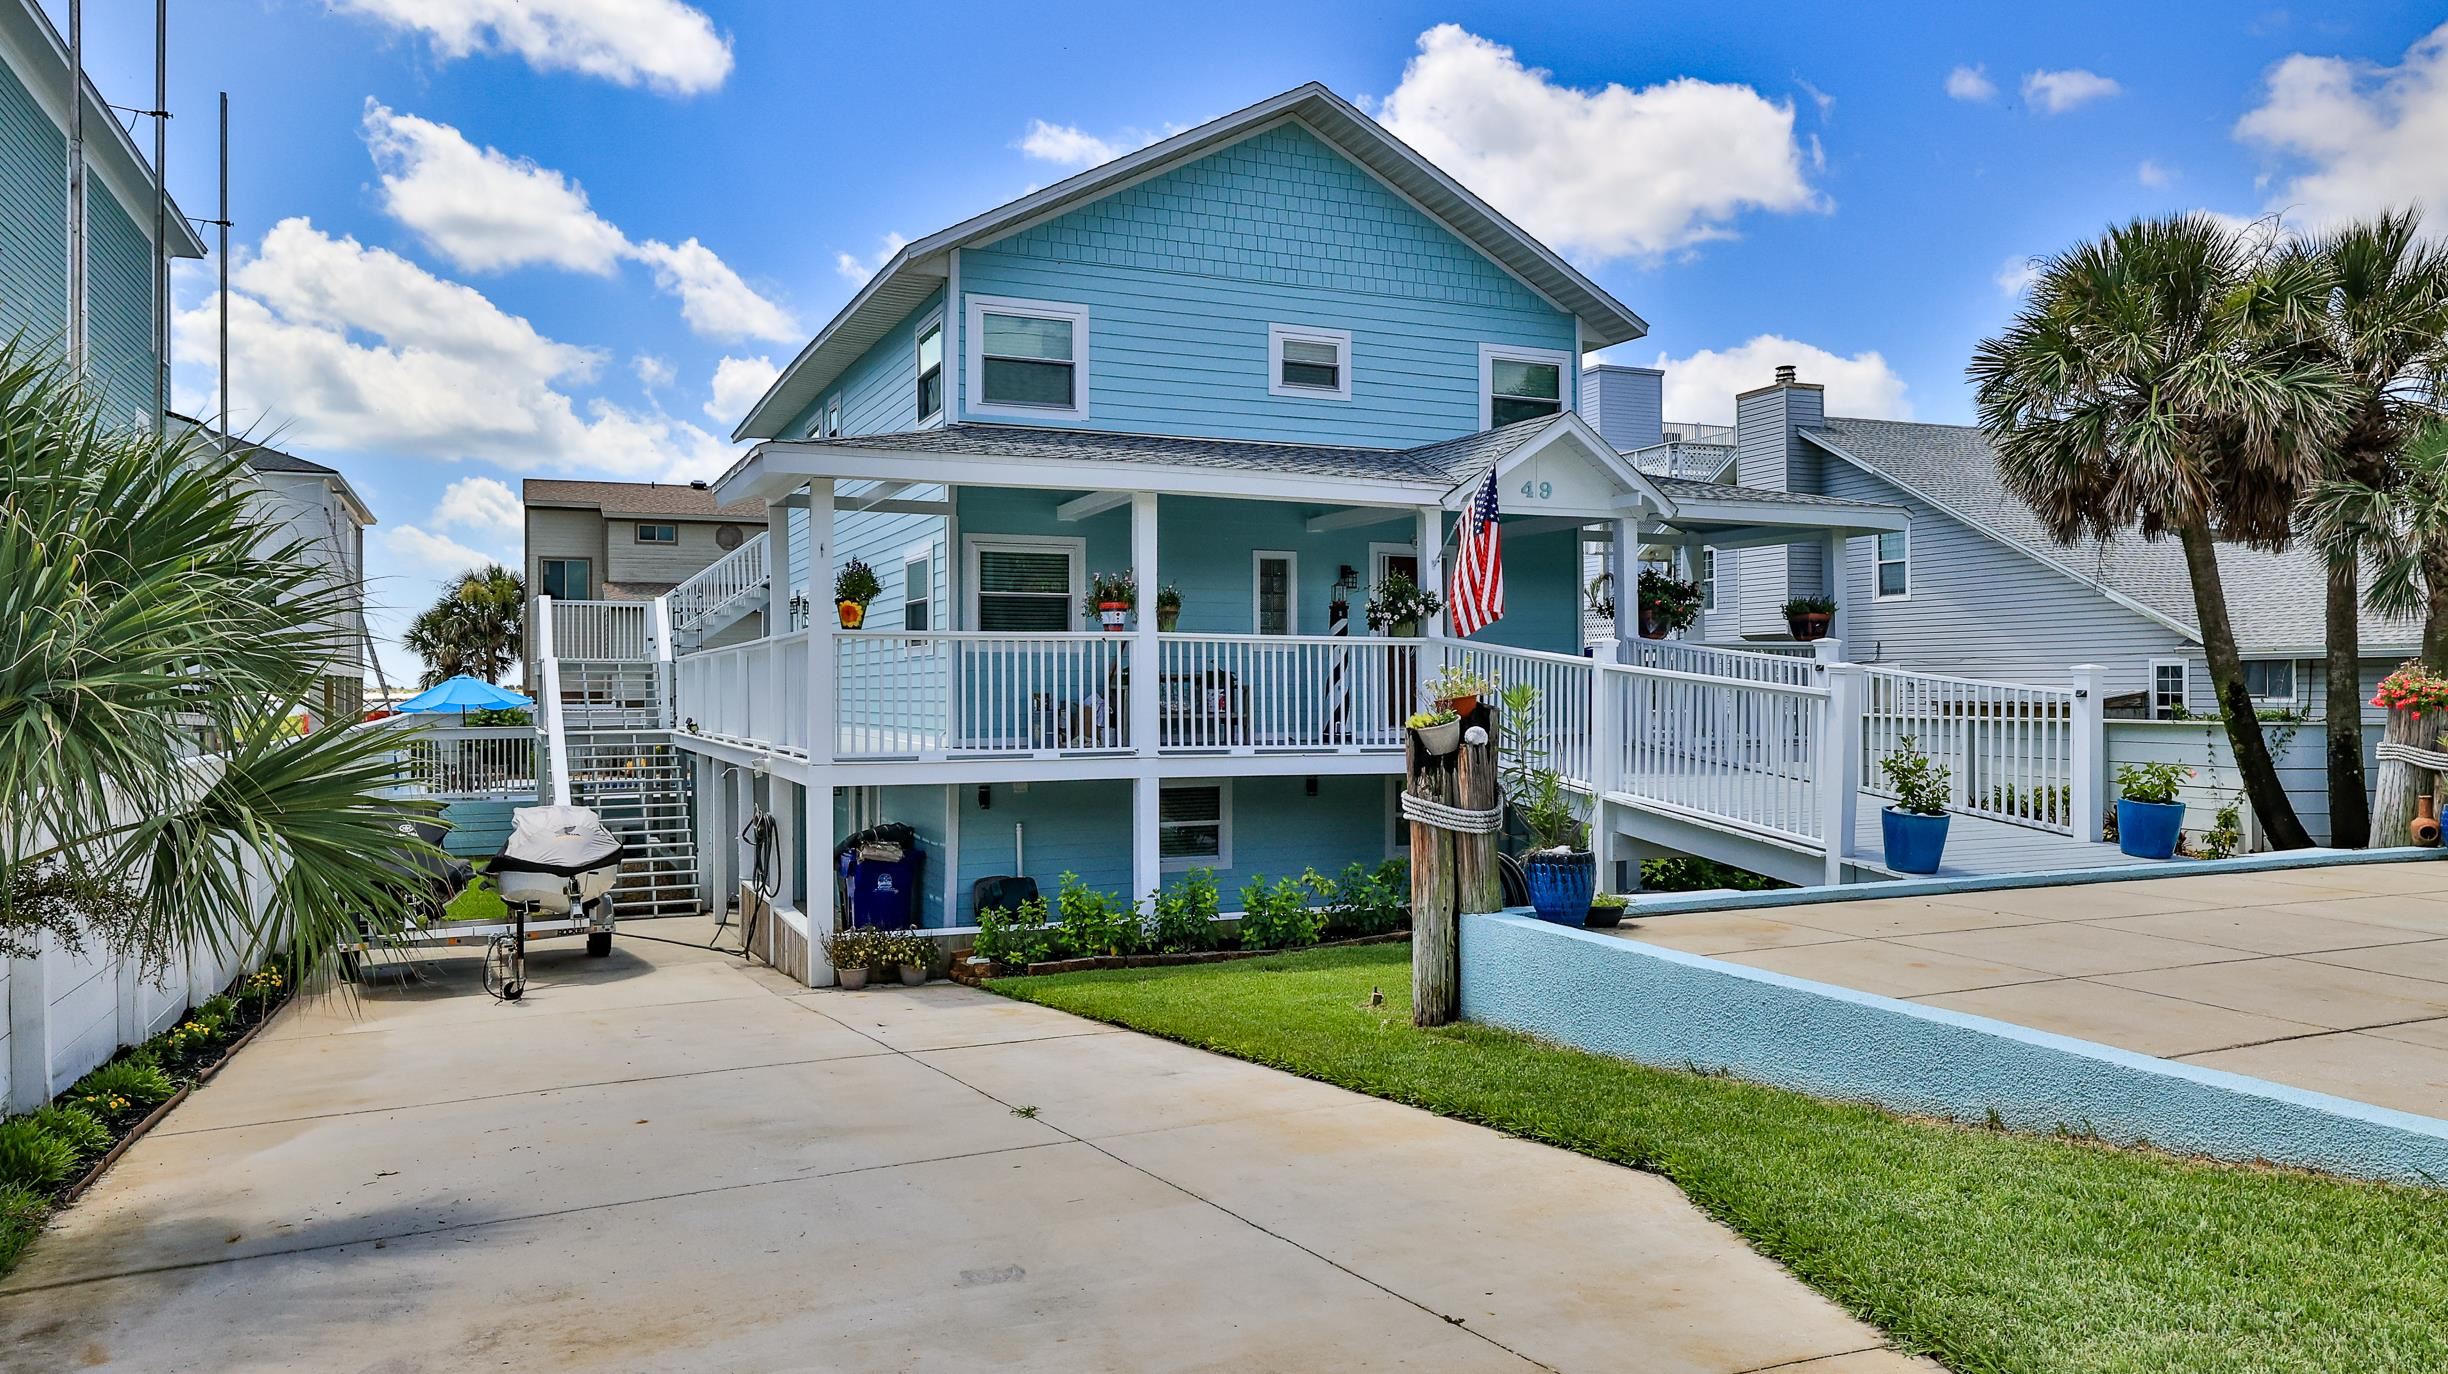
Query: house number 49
<point x="1545" y="490"/>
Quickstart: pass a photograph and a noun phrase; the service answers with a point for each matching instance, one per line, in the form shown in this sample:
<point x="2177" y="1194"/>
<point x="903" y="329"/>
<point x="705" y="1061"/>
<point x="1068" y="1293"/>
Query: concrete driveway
<point x="666" y="1161"/>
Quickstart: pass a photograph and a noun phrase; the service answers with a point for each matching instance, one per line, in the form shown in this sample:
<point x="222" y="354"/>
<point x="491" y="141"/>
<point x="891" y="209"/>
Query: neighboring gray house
<point x="626" y="541"/>
<point x="1976" y="588"/>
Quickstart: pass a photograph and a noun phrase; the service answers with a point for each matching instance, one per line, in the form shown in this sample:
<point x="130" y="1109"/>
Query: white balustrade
<point x="904" y="693"/>
<point x="719" y="584"/>
<point x="2008" y="749"/>
<point x="1792" y="667"/>
<point x="443" y="759"/>
<point x="1559" y="713"/>
<point x="722" y="694"/>
<point x="1746" y="753"/>
<point x="600" y="630"/>
<point x="1250" y="692"/>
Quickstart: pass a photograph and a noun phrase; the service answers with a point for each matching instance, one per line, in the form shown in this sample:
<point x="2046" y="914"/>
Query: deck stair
<point x="607" y="726"/>
<point x="721" y="594"/>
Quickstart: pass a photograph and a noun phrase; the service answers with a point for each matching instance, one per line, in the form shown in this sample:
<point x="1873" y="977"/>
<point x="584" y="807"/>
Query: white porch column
<point x="1144" y="699"/>
<point x="2087" y="779"/>
<point x="777" y="567"/>
<point x="1832" y="579"/>
<point x="1839" y="756"/>
<point x="1430" y="541"/>
<point x="1624" y="563"/>
<point x="29" y="1024"/>
<point x="1605" y="749"/>
<point x="823" y="732"/>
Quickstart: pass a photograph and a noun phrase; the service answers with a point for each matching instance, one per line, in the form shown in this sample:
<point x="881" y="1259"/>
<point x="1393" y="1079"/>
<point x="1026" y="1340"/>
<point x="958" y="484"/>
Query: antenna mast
<point x="161" y="216"/>
<point x="76" y="187"/>
<point x="221" y="378"/>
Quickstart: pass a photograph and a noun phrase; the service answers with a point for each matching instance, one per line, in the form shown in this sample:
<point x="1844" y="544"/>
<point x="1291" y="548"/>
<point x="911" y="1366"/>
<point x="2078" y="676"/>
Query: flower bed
<point x="49" y="1157"/>
<point x="1086" y="928"/>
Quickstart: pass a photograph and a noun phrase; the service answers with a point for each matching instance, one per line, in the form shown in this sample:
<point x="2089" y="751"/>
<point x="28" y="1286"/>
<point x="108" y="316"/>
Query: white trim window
<point x="2272" y="681"/>
<point x="1194" y="825"/>
<point x="2171" y="688"/>
<point x="657" y="534"/>
<point x="1307" y="362"/>
<point x="1708" y="579"/>
<point x="1891" y="566"/>
<point x="1274" y="592"/>
<point x="1020" y="585"/>
<point x="929" y="362"/>
<point x="1517" y="384"/>
<point x="918" y="588"/>
<point x="832" y="418"/>
<point x="1028" y="358"/>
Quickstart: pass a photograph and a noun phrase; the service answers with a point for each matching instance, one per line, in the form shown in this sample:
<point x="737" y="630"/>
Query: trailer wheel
<point x="599" y="943"/>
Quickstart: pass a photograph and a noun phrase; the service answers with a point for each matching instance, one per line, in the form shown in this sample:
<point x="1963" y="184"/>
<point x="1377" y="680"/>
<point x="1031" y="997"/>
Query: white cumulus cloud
<point x="422" y="554"/>
<point x="1604" y="173"/>
<point x="488" y="211"/>
<point x="737" y="384"/>
<point x="1067" y="145"/>
<point x="661" y="44"/>
<point x="479" y="505"/>
<point x="652" y="372"/>
<point x="2016" y="275"/>
<point x="1702" y="387"/>
<point x="352" y="349"/>
<point x="856" y="270"/>
<point x="2153" y="175"/>
<point x="1970" y="83"/>
<point x="2057" y="92"/>
<point x="2356" y="137"/>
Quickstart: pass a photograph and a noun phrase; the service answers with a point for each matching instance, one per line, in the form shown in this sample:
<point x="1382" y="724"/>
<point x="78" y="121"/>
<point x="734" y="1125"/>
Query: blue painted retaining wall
<point x="1663" y="1007"/>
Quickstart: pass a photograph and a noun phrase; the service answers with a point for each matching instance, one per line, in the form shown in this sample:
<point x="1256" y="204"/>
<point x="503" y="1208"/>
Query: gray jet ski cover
<point x="560" y="840"/>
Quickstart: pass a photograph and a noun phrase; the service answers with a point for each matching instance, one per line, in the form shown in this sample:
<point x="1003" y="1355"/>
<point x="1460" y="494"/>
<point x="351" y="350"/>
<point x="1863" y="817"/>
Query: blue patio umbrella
<point x="463" y="693"/>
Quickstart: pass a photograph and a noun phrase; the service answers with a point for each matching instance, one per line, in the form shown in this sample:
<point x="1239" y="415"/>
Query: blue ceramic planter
<point x="1561" y="887"/>
<point x="2149" y="830"/>
<point x="1914" y="842"/>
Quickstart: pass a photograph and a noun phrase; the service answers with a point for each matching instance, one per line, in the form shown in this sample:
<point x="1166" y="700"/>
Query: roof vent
<point x="1785" y="374"/>
<point x="699" y="484"/>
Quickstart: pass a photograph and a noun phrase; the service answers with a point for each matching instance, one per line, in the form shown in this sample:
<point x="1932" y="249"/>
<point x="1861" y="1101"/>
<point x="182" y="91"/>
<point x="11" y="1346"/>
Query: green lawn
<point x="1987" y="1250"/>
<point x="479" y="902"/>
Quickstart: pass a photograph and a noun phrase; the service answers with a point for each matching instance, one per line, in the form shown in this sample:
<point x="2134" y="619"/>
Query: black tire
<point x="599" y="943"/>
<point x="351" y="969"/>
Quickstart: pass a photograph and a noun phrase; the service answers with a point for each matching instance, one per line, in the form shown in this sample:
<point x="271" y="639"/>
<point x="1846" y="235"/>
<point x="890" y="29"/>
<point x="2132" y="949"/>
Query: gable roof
<point x="678" y="500"/>
<point x="25" y="30"/>
<point x="2275" y="599"/>
<point x="917" y="270"/>
<point x="262" y="457"/>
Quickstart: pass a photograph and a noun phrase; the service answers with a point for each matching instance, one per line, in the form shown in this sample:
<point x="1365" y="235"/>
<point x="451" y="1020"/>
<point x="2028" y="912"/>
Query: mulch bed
<point x="965" y="972"/>
<point x="153" y="1118"/>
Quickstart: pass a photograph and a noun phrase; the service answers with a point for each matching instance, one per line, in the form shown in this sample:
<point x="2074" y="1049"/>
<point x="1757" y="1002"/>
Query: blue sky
<point x="1842" y="187"/>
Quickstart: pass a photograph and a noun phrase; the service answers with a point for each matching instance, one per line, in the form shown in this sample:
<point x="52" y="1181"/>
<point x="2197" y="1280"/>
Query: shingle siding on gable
<point x="1980" y="609"/>
<point x="1183" y="273"/>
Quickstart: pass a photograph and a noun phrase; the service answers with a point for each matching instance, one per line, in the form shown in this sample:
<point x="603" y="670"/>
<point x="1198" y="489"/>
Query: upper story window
<point x="930" y="370"/>
<point x="2270" y="679"/>
<point x="565" y="579"/>
<point x="1519" y="384"/>
<point x="832" y="418"/>
<point x="1302" y="361"/>
<point x="658" y="534"/>
<point x="1708" y="579"/>
<point x="1028" y="358"/>
<point x="1894" y="565"/>
<point x="918" y="588"/>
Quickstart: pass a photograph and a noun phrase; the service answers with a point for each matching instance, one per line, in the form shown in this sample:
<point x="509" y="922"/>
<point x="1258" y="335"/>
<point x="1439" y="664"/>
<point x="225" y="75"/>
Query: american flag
<point x="1478" y="580"/>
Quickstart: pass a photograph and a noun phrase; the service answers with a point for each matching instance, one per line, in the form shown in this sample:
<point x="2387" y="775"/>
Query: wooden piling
<point x="1450" y="873"/>
<point x="2400" y="782"/>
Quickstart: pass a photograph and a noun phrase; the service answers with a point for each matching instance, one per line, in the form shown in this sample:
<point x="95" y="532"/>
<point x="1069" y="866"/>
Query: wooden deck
<point x="1979" y="848"/>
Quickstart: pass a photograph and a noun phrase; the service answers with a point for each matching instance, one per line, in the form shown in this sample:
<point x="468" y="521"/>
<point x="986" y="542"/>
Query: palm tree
<point x="472" y="628"/>
<point x="2153" y="384"/>
<point x="149" y="617"/>
<point x="2385" y="328"/>
<point x="2406" y="527"/>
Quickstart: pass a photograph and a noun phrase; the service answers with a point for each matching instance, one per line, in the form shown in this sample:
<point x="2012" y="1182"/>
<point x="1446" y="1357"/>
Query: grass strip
<point x="1988" y="1250"/>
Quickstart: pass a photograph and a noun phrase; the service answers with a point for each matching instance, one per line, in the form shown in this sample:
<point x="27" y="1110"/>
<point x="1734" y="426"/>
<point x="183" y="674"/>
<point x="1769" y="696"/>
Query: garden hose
<point x="763" y="838"/>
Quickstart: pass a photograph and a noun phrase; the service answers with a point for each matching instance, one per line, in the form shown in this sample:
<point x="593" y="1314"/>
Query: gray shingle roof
<point x="2274" y="598"/>
<point x="1693" y="489"/>
<point x="1105" y="446"/>
<point x="676" y="499"/>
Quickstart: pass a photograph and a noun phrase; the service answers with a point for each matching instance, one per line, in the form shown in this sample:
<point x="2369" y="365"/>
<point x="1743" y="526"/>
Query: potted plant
<point x="853" y="587"/>
<point x="1667" y="603"/>
<point x="1168" y="607"/>
<point x="1561" y="871"/>
<point x="2149" y="818"/>
<point x="1607" y="910"/>
<point x="850" y="952"/>
<point x="911" y="951"/>
<point x="1397" y="605"/>
<point x="1439" y="731"/>
<point x="1112" y="596"/>
<point x="1458" y="689"/>
<point x="1915" y="826"/>
<point x="1808" y="617"/>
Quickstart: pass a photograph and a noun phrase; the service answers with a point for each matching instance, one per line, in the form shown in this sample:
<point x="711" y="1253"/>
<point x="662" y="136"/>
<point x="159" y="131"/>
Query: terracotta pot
<point x="1462" y="705"/>
<point x="2425" y="827"/>
<point x="853" y="614"/>
<point x="1806" y="628"/>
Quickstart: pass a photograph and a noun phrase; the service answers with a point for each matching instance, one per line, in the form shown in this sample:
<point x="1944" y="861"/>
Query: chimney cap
<point x="1785" y="374"/>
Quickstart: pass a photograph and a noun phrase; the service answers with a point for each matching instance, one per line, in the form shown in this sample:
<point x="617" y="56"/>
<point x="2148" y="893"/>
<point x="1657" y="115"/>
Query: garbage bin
<point x="883" y="877"/>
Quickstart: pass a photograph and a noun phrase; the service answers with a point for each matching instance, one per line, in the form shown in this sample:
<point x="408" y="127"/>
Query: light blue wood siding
<point x="1183" y="273"/>
<point x="879" y="392"/>
<point x="33" y="217"/>
<point x="119" y="311"/>
<point x="1979" y="608"/>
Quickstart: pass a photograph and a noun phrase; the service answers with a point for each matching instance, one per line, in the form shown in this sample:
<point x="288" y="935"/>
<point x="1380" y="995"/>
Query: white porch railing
<point x="1252" y="692"/>
<point x="1793" y="667"/>
<point x="600" y="630"/>
<point x="2009" y="749"/>
<point x="939" y="692"/>
<point x="726" y="693"/>
<point x="1752" y="754"/>
<point x="465" y="762"/>
<point x="736" y="575"/>
<point x="1560" y="715"/>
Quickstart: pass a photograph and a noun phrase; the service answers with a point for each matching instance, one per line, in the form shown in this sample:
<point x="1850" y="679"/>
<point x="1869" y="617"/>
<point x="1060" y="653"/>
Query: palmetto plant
<point x="2155" y="383"/>
<point x="154" y="636"/>
<point x="473" y="627"/>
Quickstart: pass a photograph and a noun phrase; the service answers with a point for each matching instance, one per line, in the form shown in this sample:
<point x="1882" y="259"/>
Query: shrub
<point x="854" y="948"/>
<point x="1095" y="923"/>
<point x="1701" y="875"/>
<point x="904" y="948"/>
<point x="81" y="1129"/>
<point x="31" y="1157"/>
<point x="1016" y="937"/>
<point x="1278" y="917"/>
<point x="22" y="1211"/>
<point x="2150" y="782"/>
<point x="2047" y="802"/>
<point x="1920" y="785"/>
<point x="1362" y="901"/>
<point x="2226" y="833"/>
<point x="122" y="1089"/>
<point x="1185" y="914"/>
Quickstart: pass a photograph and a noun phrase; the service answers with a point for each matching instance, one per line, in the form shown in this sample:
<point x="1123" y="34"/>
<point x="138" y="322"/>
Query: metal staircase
<point x="607" y="726"/>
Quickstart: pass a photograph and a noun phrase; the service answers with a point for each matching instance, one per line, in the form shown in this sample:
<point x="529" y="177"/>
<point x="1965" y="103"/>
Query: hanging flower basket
<point x="1112" y="596"/>
<point x="853" y="614"/>
<point x="1113" y="615"/>
<point x="853" y="587"/>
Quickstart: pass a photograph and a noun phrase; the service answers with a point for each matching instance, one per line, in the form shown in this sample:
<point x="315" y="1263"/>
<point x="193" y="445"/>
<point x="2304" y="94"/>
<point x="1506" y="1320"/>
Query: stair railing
<point x="548" y="704"/>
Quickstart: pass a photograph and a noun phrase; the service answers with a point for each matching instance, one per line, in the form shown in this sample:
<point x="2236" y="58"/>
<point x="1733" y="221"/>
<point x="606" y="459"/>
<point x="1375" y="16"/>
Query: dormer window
<point x="1518" y="384"/>
<point x="1307" y="362"/>
<point x="1028" y="357"/>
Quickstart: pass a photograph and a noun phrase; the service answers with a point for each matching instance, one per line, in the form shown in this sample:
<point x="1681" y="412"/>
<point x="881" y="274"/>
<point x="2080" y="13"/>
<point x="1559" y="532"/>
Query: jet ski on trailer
<point x="555" y="875"/>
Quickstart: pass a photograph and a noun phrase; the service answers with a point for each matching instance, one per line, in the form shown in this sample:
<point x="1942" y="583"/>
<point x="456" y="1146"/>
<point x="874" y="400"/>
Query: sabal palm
<point x="2405" y="525"/>
<point x="2154" y="383"/>
<point x="142" y="610"/>
<point x="2385" y="329"/>
<point x="473" y="627"/>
